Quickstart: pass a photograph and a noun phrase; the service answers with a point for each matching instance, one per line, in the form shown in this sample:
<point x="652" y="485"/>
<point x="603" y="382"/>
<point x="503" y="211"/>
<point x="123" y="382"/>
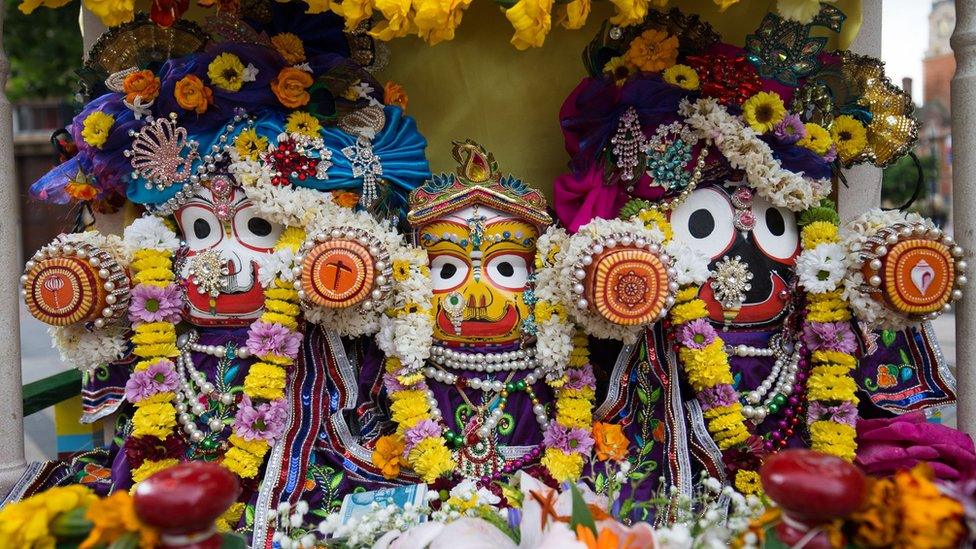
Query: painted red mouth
<point x="749" y="313"/>
<point x="481" y="328"/>
<point x="245" y="304"/>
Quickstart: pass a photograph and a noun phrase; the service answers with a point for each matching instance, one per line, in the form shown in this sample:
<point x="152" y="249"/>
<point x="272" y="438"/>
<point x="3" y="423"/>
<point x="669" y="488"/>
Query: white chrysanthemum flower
<point x="823" y="268"/>
<point x="276" y="265"/>
<point x="691" y="264"/>
<point x="150" y="232"/>
<point x="86" y="350"/>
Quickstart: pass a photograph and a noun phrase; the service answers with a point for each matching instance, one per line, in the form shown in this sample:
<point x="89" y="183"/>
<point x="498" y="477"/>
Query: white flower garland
<point x="577" y="251"/>
<point x="149" y="232"/>
<point x="554" y="334"/>
<point x="745" y="151"/>
<point x="690" y="265"/>
<point x="409" y="336"/>
<point x="85" y="349"/>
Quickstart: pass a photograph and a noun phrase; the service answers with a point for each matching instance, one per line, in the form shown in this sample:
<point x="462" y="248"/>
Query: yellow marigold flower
<point x="265" y="381"/>
<point x="653" y="51"/>
<point x="831" y="388"/>
<point x="574" y="412"/>
<point x="388" y="455"/>
<point x="682" y="76"/>
<point x="817" y="139"/>
<point x="686" y="294"/>
<point x="833" y="357"/>
<point x="747" y="482"/>
<point x="562" y="466"/>
<point x="763" y="111"/>
<point x="394" y="94"/>
<point x="150" y="467"/>
<point x="249" y="145"/>
<point x="290" y="47"/>
<point x="436" y="20"/>
<point x="303" y="123"/>
<point x="532" y="20"/>
<point x="96" y="128"/>
<point x="353" y="11"/>
<point x="27" y="7"/>
<point x="154" y="420"/>
<point x="257" y="447"/>
<point x="431" y="459"/>
<point x="26" y="523"/>
<point x="574" y="14"/>
<point x="158" y="398"/>
<point x="654" y="218"/>
<point x="397" y="19"/>
<point x="111" y="12"/>
<point x="818" y="232"/>
<point x="116" y="516"/>
<point x="610" y="442"/>
<point x="850" y="137"/>
<point x="833" y="438"/>
<point x="226" y="72"/>
<point x="706" y="367"/>
<point x="241" y="463"/>
<point x="686" y="312"/>
<point x="406" y="412"/>
<point x="833" y="315"/>
<point x="618" y="69"/>
<point x="631" y="12"/>
<point x="230" y="518"/>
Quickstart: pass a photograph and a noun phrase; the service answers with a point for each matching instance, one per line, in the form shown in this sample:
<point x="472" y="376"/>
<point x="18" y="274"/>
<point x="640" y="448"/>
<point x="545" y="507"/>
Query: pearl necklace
<point x="188" y="405"/>
<point x="480" y="362"/>
<point x="780" y="382"/>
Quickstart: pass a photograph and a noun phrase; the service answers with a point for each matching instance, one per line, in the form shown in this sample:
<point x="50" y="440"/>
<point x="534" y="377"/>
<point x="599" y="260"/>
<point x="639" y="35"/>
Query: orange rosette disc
<point x="64" y="290"/>
<point x="628" y="286"/>
<point x="918" y="276"/>
<point x="337" y="274"/>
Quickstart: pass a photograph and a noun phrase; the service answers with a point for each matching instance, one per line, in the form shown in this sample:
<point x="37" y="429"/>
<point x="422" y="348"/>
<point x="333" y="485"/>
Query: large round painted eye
<point x="508" y="271"/>
<point x="776" y="233"/>
<point x="255" y="231"/>
<point x="200" y="227"/>
<point x="704" y="221"/>
<point x="448" y="272"/>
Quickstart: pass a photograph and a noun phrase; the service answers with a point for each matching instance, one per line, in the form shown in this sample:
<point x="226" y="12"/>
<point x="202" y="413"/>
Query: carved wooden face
<point x="752" y="246"/>
<point x="480" y="264"/>
<point x="225" y="236"/>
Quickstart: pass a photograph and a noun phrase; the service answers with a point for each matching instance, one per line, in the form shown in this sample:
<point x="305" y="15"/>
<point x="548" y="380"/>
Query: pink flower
<point x="265" y="422"/>
<point x="154" y="304"/>
<point x="265" y="338"/>
<point x="790" y="130"/>
<point x="831" y="336"/>
<point x="580" y="378"/>
<point x="425" y="428"/>
<point x="696" y="334"/>
<point x="159" y="377"/>
<point x="567" y="439"/>
<point x="887" y="445"/>
<point x="831" y="154"/>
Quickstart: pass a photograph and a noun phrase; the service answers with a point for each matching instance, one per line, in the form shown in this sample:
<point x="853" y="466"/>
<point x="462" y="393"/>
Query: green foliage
<point x="899" y="180"/>
<point x="45" y="49"/>
<point x="826" y="211"/>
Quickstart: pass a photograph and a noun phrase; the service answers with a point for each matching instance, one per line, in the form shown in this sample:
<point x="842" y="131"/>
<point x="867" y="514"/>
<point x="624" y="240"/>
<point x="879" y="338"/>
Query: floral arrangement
<point x="154" y="311"/>
<point x="66" y="515"/>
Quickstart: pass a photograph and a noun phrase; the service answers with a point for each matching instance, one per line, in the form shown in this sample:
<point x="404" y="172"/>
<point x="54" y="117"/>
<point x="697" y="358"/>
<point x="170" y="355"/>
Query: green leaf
<point x="601" y="482"/>
<point x="642" y="395"/>
<point x="888" y="337"/>
<point x="637" y="476"/>
<point x="335" y="482"/>
<point x="129" y="540"/>
<point x="71" y="524"/>
<point x="249" y="515"/>
<point x="581" y="515"/>
<point x="231" y="540"/>
<point x="646" y="449"/>
<point x="512" y="494"/>
<point x="904" y="357"/>
<point x="655" y="395"/>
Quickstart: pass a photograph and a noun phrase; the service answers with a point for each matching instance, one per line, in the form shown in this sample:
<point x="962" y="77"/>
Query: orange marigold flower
<point x="290" y="47"/>
<point x="291" y="87"/>
<point x="611" y="443"/>
<point x="388" y="455"/>
<point x="143" y="84"/>
<point x="193" y="95"/>
<point x="393" y="94"/>
<point x="114" y="517"/>
<point x="345" y="199"/>
<point x="81" y="190"/>
<point x="653" y="51"/>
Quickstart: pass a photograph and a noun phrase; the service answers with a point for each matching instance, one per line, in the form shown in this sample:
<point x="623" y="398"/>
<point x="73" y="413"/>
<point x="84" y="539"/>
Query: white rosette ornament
<point x="902" y="269"/>
<point x="615" y="277"/>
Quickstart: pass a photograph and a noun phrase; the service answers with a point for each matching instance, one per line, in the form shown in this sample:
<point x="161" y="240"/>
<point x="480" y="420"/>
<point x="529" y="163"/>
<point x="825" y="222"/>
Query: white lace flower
<point x="86" y="350"/>
<point x="823" y="268"/>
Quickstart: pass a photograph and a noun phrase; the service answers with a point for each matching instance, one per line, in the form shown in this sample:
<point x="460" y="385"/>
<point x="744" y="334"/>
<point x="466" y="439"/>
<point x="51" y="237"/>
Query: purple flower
<point x="697" y="334"/>
<point x="845" y="412"/>
<point x="831" y="154"/>
<point x="580" y="378"/>
<point x="830" y="336"/>
<point x="265" y="422"/>
<point x="159" y="377"/>
<point x="717" y="396"/>
<point x="265" y="338"/>
<point x="425" y="428"/>
<point x="569" y="440"/>
<point x="790" y="129"/>
<point x="154" y="304"/>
